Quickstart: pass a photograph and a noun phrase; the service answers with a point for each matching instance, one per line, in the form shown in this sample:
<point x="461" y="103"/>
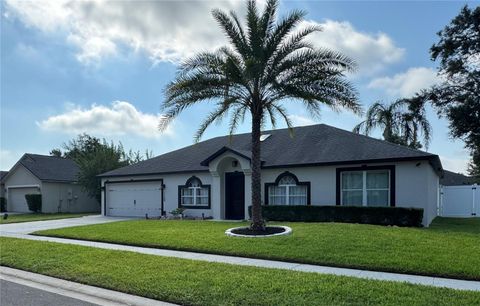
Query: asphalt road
<point x="13" y="294"/>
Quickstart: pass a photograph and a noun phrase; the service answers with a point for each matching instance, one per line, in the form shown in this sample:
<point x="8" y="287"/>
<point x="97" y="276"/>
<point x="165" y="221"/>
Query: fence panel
<point x="460" y="201"/>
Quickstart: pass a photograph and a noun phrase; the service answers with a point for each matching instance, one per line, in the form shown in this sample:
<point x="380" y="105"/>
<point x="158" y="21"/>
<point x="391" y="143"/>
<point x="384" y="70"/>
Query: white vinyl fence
<point x="460" y="201"/>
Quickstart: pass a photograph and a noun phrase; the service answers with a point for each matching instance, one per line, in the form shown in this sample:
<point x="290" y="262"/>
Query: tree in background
<point x="457" y="97"/>
<point x="266" y="63"/>
<point x="95" y="156"/>
<point x="401" y="122"/>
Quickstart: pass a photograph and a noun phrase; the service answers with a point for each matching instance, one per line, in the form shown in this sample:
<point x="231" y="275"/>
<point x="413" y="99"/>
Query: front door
<point x="234" y="196"/>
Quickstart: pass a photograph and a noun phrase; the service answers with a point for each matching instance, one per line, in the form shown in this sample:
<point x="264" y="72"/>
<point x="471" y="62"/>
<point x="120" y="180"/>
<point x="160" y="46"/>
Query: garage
<point x="16" y="198"/>
<point x="134" y="199"/>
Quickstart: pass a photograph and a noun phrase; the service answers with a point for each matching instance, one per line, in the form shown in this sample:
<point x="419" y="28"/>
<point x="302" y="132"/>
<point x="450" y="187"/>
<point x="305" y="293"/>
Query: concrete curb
<point x="74" y="290"/>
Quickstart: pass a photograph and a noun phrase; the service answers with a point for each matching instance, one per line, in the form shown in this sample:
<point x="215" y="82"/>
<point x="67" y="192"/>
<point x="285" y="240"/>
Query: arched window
<point x="287" y="190"/>
<point x="194" y="194"/>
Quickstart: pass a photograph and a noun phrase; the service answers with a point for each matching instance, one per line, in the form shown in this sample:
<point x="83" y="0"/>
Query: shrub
<point x="34" y="202"/>
<point x="398" y="216"/>
<point x="3" y="204"/>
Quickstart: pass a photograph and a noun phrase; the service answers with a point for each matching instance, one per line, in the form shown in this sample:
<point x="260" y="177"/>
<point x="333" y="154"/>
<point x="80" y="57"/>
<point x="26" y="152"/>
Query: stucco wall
<point x="66" y="197"/>
<point x="17" y="178"/>
<point x="416" y="185"/>
<point x="21" y="176"/>
<point x="170" y="192"/>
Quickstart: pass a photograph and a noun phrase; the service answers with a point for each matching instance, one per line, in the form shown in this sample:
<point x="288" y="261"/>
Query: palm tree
<point x="386" y="117"/>
<point x="402" y="122"/>
<point x="266" y="63"/>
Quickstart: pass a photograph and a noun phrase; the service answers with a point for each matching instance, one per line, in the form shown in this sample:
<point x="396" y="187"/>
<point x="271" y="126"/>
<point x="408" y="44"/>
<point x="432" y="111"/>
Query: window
<point x="193" y="194"/>
<point x="287" y="190"/>
<point x="365" y="187"/>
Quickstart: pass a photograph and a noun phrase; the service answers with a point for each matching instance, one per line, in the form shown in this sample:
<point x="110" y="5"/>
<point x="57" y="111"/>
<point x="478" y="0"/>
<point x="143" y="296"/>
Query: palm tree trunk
<point x="257" y="220"/>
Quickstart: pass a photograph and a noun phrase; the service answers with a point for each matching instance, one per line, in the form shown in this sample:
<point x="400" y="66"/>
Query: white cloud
<point x="165" y="30"/>
<point x="406" y="84"/>
<point x="173" y="30"/>
<point x="8" y="159"/>
<point x="299" y="120"/>
<point x="372" y="51"/>
<point x="121" y="118"/>
<point x="458" y="165"/>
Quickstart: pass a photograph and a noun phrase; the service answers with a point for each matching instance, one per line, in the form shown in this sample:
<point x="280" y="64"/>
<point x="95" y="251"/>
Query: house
<point x="2" y="185"/>
<point x="319" y="165"/>
<point x="455" y="179"/>
<point x="55" y="178"/>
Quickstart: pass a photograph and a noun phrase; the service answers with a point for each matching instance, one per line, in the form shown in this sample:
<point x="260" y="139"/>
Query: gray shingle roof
<point x="311" y="145"/>
<point x="455" y="179"/>
<point x="50" y="168"/>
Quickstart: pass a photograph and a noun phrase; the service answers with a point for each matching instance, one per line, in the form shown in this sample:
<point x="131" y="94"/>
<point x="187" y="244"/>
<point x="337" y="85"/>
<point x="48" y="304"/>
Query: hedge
<point x="34" y="202"/>
<point x="3" y="204"/>
<point x="398" y="216"/>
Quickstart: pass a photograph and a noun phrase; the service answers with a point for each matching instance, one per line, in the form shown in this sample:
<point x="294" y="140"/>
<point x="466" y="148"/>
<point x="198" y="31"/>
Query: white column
<point x="248" y="190"/>
<point x="216" y="195"/>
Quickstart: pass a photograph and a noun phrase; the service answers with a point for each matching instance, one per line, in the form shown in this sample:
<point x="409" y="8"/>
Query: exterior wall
<point x="66" y="197"/>
<point x="20" y="177"/>
<point x="170" y="192"/>
<point x="416" y="185"/>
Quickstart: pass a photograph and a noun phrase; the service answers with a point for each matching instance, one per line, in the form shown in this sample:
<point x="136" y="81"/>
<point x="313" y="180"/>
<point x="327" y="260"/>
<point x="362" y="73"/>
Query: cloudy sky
<point x="100" y="67"/>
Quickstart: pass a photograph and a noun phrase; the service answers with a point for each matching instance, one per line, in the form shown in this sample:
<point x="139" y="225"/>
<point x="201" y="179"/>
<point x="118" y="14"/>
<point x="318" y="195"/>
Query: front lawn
<point x="38" y="217"/>
<point x="433" y="251"/>
<point x="199" y="283"/>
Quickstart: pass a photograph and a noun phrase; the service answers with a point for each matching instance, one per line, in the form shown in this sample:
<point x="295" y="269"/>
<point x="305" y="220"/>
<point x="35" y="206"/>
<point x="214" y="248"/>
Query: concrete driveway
<point x="30" y="227"/>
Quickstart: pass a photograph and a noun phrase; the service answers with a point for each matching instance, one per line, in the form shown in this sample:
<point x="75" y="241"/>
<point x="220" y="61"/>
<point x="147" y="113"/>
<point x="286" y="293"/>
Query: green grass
<point x="198" y="283"/>
<point x="459" y="225"/>
<point x="38" y="217"/>
<point x="437" y="251"/>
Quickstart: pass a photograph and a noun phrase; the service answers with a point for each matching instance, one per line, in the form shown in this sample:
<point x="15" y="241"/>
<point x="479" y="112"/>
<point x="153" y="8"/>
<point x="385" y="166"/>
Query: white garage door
<point x="134" y="199"/>
<point x="16" y="198"/>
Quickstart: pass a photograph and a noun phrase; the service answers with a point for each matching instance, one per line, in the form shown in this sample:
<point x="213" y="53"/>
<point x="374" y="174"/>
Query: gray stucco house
<point x="320" y="165"/>
<point x="55" y="178"/>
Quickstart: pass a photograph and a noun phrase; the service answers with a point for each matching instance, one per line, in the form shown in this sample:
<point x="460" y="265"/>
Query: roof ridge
<point x="379" y="140"/>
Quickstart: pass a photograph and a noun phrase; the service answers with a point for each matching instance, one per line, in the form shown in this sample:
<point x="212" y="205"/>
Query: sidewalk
<point x="242" y="261"/>
<point x="74" y="290"/>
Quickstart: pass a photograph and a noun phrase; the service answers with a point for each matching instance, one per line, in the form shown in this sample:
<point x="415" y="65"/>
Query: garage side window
<point x="194" y="194"/>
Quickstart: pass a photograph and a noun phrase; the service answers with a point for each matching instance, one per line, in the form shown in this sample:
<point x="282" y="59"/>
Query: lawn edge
<point x="72" y="217"/>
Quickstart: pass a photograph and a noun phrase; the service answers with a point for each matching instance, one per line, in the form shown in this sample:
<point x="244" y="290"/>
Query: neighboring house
<point x="2" y="185"/>
<point x="55" y="178"/>
<point x="320" y="165"/>
<point x="455" y="179"/>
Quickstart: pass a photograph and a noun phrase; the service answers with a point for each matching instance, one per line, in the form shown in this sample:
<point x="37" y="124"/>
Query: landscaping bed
<point x="436" y="251"/>
<point x="189" y="282"/>
<point x="17" y="218"/>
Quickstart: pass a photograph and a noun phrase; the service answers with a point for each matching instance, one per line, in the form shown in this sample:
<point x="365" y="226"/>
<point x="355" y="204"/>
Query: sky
<point x="100" y="67"/>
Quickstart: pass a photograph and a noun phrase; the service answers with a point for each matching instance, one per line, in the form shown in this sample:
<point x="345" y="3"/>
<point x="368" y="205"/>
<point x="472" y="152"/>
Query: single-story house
<point x="319" y="165"/>
<point x="455" y="179"/>
<point x="55" y="178"/>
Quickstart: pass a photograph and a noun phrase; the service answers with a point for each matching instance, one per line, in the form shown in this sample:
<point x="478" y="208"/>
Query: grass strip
<point x="191" y="282"/>
<point x="448" y="249"/>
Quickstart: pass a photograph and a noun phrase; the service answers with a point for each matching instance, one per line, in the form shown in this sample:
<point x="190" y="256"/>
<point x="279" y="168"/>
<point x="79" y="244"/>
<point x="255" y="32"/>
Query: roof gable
<point x="310" y="145"/>
<point x="48" y="168"/>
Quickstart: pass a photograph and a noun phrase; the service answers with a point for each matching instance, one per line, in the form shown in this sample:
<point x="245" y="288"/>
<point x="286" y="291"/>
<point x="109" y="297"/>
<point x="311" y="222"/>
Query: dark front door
<point x="234" y="196"/>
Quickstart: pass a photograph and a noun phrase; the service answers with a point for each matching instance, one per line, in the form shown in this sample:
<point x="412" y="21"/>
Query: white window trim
<point x="287" y="193"/>
<point x="194" y="196"/>
<point x="364" y="189"/>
